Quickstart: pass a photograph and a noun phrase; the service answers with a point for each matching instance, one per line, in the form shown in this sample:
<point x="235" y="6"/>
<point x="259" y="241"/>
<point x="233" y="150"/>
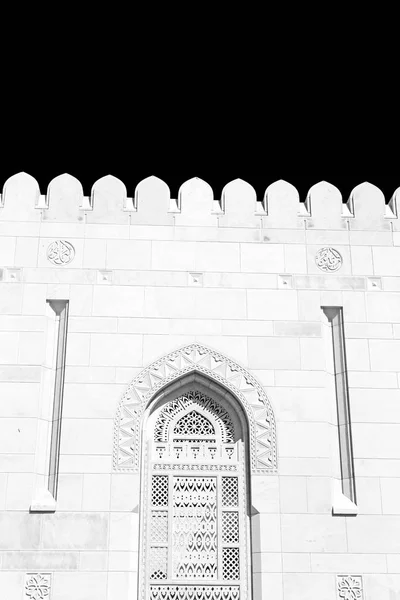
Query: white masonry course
<point x="226" y="295"/>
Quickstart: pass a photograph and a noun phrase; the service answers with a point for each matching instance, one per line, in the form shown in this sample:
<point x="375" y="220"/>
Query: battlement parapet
<point x="151" y="204"/>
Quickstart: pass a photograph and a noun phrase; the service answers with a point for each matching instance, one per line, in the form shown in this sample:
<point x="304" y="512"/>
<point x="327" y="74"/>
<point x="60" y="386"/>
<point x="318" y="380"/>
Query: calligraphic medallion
<point x="60" y="252"/>
<point x="328" y="260"/>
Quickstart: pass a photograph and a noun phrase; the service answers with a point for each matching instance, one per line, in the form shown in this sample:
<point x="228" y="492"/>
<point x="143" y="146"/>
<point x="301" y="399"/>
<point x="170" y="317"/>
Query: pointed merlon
<point x="239" y="202"/>
<point x="324" y="203"/>
<point x="64" y="199"/>
<point x="281" y="201"/>
<point x="152" y="201"/>
<point x="108" y="199"/>
<point x="19" y="199"/>
<point x="195" y="200"/>
<point x="394" y="206"/>
<point x="367" y="204"/>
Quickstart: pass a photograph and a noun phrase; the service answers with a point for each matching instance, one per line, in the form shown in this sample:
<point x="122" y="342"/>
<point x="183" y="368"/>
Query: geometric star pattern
<point x="215" y="366"/>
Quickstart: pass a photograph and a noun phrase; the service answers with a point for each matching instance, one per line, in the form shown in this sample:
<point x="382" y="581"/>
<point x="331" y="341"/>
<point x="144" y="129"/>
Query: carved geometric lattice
<point x="230" y="495"/>
<point x="203" y="361"/>
<point x="194" y="531"/>
<point x="159" y="490"/>
<point x="193" y="399"/>
<point x="230" y="563"/>
<point x="230" y="527"/>
<point x="194" y="592"/>
<point x="193" y="424"/>
<point x="159" y="526"/>
<point x="158" y="563"/>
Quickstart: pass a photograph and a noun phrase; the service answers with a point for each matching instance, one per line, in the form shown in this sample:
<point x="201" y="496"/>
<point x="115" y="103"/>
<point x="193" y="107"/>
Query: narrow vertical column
<point x="344" y="493"/>
<point x="50" y="409"/>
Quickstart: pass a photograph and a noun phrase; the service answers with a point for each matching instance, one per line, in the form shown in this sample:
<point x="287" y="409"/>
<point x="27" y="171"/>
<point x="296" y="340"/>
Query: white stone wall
<point x="151" y="275"/>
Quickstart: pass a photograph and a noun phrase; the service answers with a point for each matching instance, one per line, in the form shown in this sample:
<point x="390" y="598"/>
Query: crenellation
<point x="282" y="205"/>
<point x="367" y="205"/>
<point x="109" y="202"/>
<point x="20" y="198"/>
<point x="64" y="200"/>
<point x="324" y="204"/>
<point x="239" y="205"/>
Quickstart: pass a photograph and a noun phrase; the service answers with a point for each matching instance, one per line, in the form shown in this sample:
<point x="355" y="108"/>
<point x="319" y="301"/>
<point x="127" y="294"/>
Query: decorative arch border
<point x="215" y="366"/>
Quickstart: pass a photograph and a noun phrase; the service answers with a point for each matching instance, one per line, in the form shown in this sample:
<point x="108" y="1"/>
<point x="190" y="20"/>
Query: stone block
<point x="319" y="495"/>
<point x="69" y="492"/>
<point x="272" y="305"/>
<point x="361" y="260"/>
<point x="308" y="379"/>
<point x="293" y="495"/>
<point x="357" y="355"/>
<point x="19" y="531"/>
<point x="79" y="585"/>
<point x="262" y="258"/>
<point x="273" y="353"/>
<point x="384" y="355"/>
<point x="96" y="492"/>
<point x="26" y="252"/>
<point x="10" y="298"/>
<point x="173" y="255"/>
<point x="393" y="563"/>
<point x="78" y="349"/>
<point x="86" y="436"/>
<point x="297" y="329"/>
<point x="296" y="562"/>
<point x="91" y="400"/>
<point x="94" y="254"/>
<point x="374" y="533"/>
<point x="76" y="374"/>
<point x="309" y="586"/>
<point x="75" y="531"/>
<point x="348" y="563"/>
<point x="266" y="562"/>
<point x="376" y="440"/>
<point x="40" y="561"/>
<point x="217" y="256"/>
<point x="312" y="354"/>
<point x="93" y="561"/>
<point x="265" y="494"/>
<point x="121" y="350"/>
<point x="368" y="494"/>
<point x="128" y="254"/>
<point x="390" y="490"/>
<point x="123" y="561"/>
<point x="8" y="347"/>
<point x="353" y="307"/>
<point x="384" y="587"/>
<point x="300" y="404"/>
<point x="266" y="532"/>
<point x="309" y="304"/>
<point x="386" y="260"/>
<point x="313" y="533"/>
<point x="124" y="531"/>
<point x="372" y="379"/>
<point x="295" y="259"/>
<point x="80" y="300"/>
<point x="85" y="463"/>
<point x="19" y="491"/>
<point x="268" y="583"/>
<point x="118" y="301"/>
<point x="156" y="346"/>
<point x="383" y="307"/>
<point x="124" y="492"/>
<point x="11" y="584"/>
<point x="364" y="407"/>
<point x="31" y="348"/>
<point x="303" y="440"/>
<point x="17" y="435"/>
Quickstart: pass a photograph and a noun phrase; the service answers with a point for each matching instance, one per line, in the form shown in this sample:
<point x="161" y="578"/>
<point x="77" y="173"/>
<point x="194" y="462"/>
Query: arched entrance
<point x="195" y="499"/>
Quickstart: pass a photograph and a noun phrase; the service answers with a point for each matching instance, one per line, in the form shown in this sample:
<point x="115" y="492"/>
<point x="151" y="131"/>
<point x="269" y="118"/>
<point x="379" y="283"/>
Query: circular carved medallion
<point x="60" y="252"/>
<point x="328" y="259"/>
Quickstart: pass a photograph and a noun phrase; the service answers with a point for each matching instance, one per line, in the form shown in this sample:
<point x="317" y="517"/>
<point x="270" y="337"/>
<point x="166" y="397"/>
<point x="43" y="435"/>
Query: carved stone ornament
<point x="328" y="260"/>
<point x="349" y="587"/>
<point x="37" y="586"/>
<point x="60" y="252"/>
<point x="215" y="366"/>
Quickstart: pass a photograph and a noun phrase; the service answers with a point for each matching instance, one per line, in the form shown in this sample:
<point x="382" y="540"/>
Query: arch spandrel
<point x="214" y="369"/>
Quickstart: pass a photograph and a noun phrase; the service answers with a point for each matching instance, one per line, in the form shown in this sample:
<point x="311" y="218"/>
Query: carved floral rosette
<point x="215" y="366"/>
<point x="349" y="587"/>
<point x="37" y="586"/>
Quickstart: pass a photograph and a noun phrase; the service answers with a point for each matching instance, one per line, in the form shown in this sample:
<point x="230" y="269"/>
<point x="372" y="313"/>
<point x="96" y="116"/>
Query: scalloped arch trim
<point x="216" y="367"/>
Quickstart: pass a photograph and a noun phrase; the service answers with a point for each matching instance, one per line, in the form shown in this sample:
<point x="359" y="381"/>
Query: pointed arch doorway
<point x="195" y="541"/>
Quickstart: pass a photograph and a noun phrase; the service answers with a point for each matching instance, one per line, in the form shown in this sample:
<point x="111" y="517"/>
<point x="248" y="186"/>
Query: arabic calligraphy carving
<point x="60" y="252"/>
<point x="328" y="259"/>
